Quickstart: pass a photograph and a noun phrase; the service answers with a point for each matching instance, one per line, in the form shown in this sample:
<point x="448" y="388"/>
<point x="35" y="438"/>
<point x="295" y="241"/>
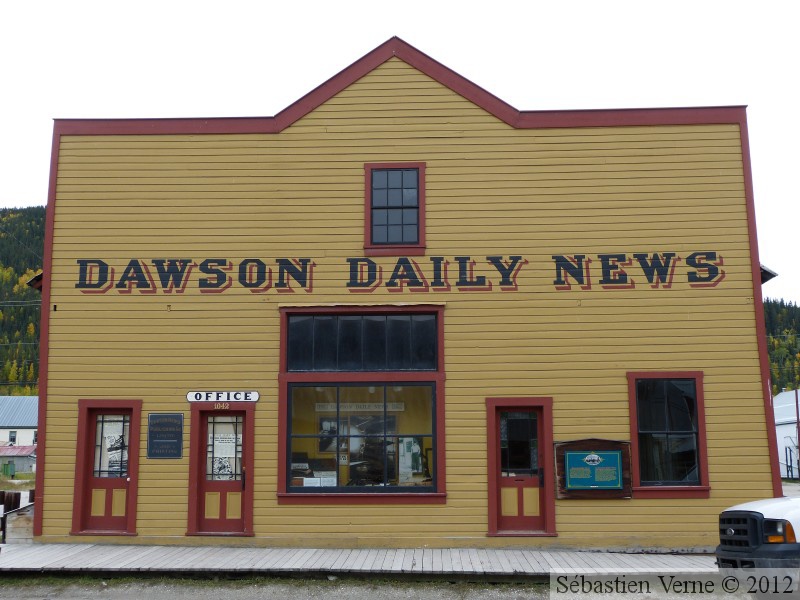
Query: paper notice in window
<point x="225" y="445"/>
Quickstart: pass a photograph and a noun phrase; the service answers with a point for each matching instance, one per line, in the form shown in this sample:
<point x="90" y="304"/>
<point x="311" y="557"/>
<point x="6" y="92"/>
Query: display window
<point x="361" y="409"/>
<point x="668" y="442"/>
<point x="362" y="436"/>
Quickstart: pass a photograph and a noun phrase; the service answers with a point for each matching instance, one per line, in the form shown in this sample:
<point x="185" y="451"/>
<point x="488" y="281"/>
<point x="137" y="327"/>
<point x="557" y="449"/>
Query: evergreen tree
<point x="21" y="250"/>
<point x="782" y="320"/>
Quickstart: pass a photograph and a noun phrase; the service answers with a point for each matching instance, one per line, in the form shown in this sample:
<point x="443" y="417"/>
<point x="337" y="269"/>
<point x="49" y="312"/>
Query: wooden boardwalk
<point x="495" y="564"/>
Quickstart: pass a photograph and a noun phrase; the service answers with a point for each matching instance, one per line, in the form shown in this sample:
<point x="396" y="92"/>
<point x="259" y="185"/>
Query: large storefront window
<point x="361" y="436"/>
<point x="362" y="389"/>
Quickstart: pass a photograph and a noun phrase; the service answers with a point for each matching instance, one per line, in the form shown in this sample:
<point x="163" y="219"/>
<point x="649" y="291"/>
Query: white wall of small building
<point x="24" y="436"/>
<point x="785" y="406"/>
<point x="787" y="438"/>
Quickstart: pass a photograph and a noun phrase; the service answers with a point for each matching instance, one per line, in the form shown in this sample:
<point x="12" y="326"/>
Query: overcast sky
<point x="85" y="59"/>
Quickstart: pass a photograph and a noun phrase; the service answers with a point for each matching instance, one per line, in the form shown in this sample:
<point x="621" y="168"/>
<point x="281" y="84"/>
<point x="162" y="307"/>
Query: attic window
<point x="395" y="208"/>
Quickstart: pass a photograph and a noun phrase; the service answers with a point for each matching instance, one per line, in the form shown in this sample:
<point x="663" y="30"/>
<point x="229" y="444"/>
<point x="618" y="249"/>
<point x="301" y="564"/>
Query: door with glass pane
<point x="108" y="479"/>
<point x="223" y="477"/>
<point x="520" y="470"/>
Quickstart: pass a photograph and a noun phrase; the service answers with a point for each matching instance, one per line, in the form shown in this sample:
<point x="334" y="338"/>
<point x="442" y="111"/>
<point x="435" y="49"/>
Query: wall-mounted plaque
<point x="165" y="435"/>
<point x="593" y="468"/>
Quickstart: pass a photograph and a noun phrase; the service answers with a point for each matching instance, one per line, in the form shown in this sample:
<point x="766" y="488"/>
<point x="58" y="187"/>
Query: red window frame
<point x="437" y="378"/>
<point x="371" y="249"/>
<point x="703" y="489"/>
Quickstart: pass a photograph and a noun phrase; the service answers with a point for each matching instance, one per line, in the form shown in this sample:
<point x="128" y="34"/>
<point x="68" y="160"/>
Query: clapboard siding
<point x="491" y="190"/>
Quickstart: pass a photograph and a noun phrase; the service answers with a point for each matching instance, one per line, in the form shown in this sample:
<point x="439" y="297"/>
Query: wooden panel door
<point x="223" y="480"/>
<point x="106" y="467"/>
<point x="520" y="472"/>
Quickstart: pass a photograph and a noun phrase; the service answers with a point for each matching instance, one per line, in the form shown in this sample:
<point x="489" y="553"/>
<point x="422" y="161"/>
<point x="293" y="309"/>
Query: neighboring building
<point x="36" y="281"/>
<point x="17" y="459"/>
<point x="785" y="406"/>
<point x="19" y="420"/>
<point x="402" y="312"/>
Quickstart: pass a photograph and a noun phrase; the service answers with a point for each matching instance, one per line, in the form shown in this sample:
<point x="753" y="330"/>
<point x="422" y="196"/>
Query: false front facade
<point x="402" y="312"/>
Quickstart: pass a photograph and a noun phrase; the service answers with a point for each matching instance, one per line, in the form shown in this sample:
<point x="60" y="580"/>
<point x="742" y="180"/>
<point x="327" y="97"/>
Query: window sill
<point x="387" y="498"/>
<point x="394" y="250"/>
<point x="663" y="491"/>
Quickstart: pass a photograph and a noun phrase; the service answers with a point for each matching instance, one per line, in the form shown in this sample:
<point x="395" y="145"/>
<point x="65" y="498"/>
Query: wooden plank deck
<point x="498" y="564"/>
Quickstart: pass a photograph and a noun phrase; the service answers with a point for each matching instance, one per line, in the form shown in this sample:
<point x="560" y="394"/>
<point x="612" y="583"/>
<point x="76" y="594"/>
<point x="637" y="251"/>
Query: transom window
<point x="667" y="423"/>
<point x="395" y="208"/>
<point x="362" y="342"/>
<point x="362" y="394"/>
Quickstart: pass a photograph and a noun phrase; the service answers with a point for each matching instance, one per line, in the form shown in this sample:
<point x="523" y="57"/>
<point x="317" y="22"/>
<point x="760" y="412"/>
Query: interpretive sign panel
<point x="593" y="470"/>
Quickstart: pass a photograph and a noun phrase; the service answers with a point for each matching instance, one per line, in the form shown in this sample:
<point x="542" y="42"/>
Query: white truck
<point x="760" y="535"/>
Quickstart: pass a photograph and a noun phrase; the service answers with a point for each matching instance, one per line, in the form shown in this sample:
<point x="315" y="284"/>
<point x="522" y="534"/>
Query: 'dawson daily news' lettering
<point x="607" y="271"/>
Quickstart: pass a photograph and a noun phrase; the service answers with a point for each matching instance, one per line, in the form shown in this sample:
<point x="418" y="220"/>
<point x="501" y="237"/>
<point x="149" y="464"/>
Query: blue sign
<point x="593" y="470"/>
<point x="165" y="435"/>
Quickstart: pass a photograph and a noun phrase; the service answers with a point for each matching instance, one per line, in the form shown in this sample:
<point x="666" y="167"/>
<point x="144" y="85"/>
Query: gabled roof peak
<point x="396" y="47"/>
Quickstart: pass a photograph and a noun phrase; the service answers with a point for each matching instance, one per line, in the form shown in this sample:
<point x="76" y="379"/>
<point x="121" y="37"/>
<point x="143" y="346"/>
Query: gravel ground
<point x="791" y="488"/>
<point x="261" y="589"/>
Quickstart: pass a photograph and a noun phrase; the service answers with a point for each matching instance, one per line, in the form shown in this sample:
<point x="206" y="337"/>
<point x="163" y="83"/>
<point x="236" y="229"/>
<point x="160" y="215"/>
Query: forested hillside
<point x="21" y="249"/>
<point x="783" y="320"/>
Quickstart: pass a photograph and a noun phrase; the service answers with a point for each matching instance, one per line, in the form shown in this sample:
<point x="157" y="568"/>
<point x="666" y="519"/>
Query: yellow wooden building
<point x="402" y="313"/>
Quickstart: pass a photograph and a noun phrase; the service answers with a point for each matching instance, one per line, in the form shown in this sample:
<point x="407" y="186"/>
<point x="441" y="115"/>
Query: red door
<point x="106" y="467"/>
<point x="520" y="470"/>
<point x="223" y="477"/>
